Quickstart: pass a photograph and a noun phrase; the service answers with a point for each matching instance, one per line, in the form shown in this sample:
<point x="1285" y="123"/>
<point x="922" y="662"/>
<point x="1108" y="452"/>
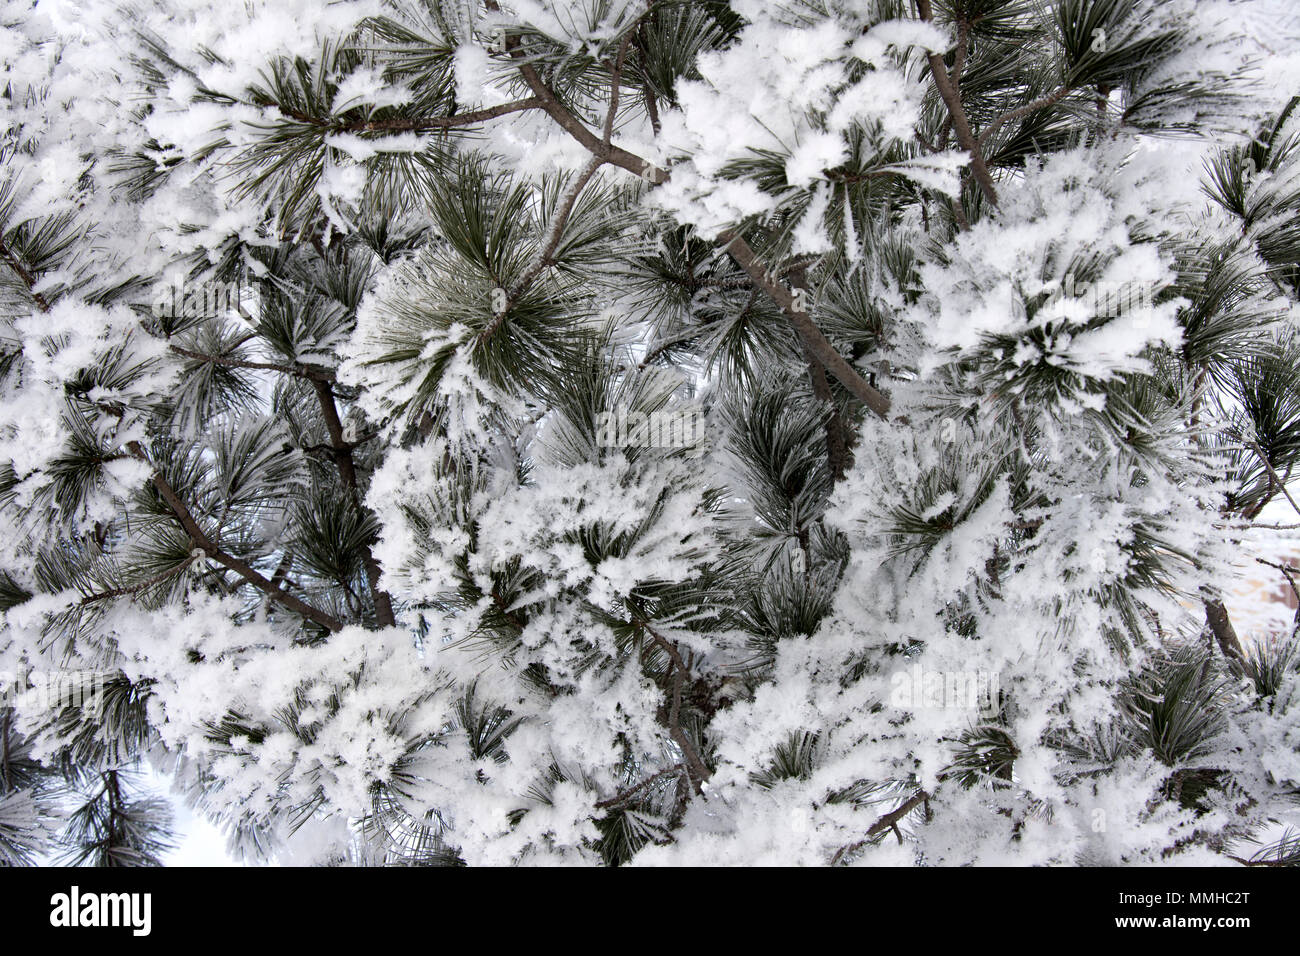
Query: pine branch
<point x="208" y="547"/>
<point x="837" y="452"/>
<point x="740" y="250"/>
<point x="545" y="257"/>
<point x="134" y="589"/>
<point x="281" y="575"/>
<point x="811" y="336"/>
<point x="699" y="771"/>
<point x="1278" y="483"/>
<point x="961" y="126"/>
<point x="615" y="78"/>
<point x="403" y="124"/>
<point x="1217" y="618"/>
<point x="963" y="49"/>
<point x="1220" y="624"/>
<point x="113" y="789"/>
<point x="836" y="449"/>
<point x="428" y="123"/>
<point x="608" y="153"/>
<point x="647" y="94"/>
<point x="551" y="104"/>
<point x="888" y="822"/>
<point x="27" y="278"/>
<point x="6" y="773"/>
<point x="315" y="374"/>
<point x="1245" y="862"/>
<point x="1042" y="103"/>
<point x="623" y="796"/>
<point x="348" y="472"/>
<point x="1287" y="572"/>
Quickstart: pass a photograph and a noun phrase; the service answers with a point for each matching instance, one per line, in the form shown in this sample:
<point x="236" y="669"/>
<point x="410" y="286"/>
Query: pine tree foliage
<point x="442" y="432"/>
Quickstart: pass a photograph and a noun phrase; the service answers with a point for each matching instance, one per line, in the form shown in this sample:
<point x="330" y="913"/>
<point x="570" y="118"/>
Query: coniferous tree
<point x="443" y="432"/>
